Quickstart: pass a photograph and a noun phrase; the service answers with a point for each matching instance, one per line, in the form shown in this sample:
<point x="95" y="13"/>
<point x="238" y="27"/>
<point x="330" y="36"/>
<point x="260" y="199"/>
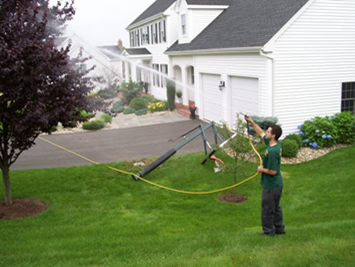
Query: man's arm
<point x="267" y="171"/>
<point x="256" y="127"/>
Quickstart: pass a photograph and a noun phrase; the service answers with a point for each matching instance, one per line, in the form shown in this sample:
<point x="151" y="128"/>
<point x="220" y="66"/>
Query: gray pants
<point x="271" y="212"/>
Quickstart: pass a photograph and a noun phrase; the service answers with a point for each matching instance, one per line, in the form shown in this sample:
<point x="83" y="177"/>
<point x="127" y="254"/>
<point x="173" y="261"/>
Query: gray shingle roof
<point x="111" y="51"/>
<point x="137" y="51"/>
<point x="246" y="23"/>
<point x="208" y="2"/>
<point x="157" y="7"/>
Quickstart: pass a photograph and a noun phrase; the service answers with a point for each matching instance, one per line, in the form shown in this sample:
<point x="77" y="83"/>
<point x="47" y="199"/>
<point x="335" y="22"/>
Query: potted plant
<point x="146" y="86"/>
<point x="193" y="111"/>
<point x="179" y="95"/>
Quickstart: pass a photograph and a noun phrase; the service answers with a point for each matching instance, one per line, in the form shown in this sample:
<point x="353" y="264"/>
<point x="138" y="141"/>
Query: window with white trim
<point x="163" y="31"/>
<point x="348" y="97"/>
<point x="164" y="71"/>
<point x="183" y="24"/>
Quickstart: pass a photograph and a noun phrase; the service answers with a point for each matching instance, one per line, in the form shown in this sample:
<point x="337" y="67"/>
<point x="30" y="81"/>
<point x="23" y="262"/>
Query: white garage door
<point x="245" y="96"/>
<point x="212" y="97"/>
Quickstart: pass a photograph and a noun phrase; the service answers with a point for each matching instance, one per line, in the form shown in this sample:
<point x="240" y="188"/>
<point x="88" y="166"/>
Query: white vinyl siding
<point x="227" y="66"/>
<point x="313" y="57"/>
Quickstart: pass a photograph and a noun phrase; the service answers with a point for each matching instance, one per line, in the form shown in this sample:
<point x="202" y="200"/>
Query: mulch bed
<point x="232" y="198"/>
<point x="21" y="208"/>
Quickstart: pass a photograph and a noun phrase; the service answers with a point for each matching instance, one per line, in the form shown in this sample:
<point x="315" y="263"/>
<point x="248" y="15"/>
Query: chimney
<point x="120" y="45"/>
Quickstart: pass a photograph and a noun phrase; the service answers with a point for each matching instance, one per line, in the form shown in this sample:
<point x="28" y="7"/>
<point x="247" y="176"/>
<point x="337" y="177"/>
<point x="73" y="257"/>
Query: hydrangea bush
<point x="326" y="131"/>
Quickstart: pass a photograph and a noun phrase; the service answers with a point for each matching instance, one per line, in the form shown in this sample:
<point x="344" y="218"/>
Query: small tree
<point x="238" y="148"/>
<point x="39" y="85"/>
<point x="170" y="90"/>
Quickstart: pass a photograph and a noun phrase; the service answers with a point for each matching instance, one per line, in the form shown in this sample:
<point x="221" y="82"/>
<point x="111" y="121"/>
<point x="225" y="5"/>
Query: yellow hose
<point x="157" y="185"/>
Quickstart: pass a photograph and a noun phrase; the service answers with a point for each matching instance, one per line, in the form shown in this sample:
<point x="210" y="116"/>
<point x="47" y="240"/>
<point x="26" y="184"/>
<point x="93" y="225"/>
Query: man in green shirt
<point x="271" y="180"/>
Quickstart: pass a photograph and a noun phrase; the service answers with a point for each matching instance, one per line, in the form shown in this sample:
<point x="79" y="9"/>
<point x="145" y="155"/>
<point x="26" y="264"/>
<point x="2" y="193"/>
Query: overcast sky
<point x="103" y="22"/>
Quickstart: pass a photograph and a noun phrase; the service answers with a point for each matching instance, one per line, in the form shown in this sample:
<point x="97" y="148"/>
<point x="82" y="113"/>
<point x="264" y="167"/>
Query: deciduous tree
<point x="39" y="84"/>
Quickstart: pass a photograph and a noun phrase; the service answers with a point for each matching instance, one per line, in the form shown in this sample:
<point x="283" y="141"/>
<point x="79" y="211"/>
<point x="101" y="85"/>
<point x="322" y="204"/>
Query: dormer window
<point x="183" y="24"/>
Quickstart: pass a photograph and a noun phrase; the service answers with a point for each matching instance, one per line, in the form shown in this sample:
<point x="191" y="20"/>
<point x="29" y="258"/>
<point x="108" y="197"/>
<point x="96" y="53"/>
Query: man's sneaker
<point x="280" y="233"/>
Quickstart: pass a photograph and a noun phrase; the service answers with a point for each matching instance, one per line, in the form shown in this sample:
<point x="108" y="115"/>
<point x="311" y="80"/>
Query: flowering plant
<point x="158" y="106"/>
<point x="193" y="108"/>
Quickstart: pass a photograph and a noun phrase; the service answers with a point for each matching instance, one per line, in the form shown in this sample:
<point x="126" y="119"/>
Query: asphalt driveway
<point x="110" y="145"/>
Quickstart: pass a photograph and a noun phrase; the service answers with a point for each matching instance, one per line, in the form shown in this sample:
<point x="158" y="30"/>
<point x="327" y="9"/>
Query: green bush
<point x="344" y="123"/>
<point x="94" y="125"/>
<point x="318" y="132"/>
<point x="130" y="90"/>
<point x="129" y="111"/>
<point x="141" y="112"/>
<point x="170" y="90"/>
<point x="107" y="93"/>
<point x="117" y="107"/>
<point x="106" y="118"/>
<point x="138" y="103"/>
<point x="295" y="137"/>
<point x="289" y="148"/>
<point x="263" y="122"/>
<point x="84" y="116"/>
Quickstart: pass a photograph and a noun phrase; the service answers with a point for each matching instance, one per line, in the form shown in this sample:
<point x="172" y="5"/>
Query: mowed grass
<point x="98" y="217"/>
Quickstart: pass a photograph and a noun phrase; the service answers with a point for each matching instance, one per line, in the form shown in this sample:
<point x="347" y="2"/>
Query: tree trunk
<point x="6" y="179"/>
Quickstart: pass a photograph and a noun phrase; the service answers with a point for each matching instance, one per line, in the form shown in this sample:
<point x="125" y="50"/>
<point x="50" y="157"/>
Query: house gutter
<point x="240" y="50"/>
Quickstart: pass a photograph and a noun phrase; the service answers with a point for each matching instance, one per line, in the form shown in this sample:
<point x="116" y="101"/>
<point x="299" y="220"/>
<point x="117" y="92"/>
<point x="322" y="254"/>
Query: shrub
<point x="344" y="123"/>
<point x="289" y="148"/>
<point x="141" y="112"/>
<point x="318" y="132"/>
<point x="170" y="90"/>
<point x="159" y="106"/>
<point x="129" y="111"/>
<point x="107" y="93"/>
<point x="130" y="90"/>
<point x="295" y="137"/>
<point x="94" y="125"/>
<point x="117" y="107"/>
<point x="138" y="103"/>
<point x="263" y="122"/>
<point x="84" y="116"/>
<point x="179" y="93"/>
<point x="106" y="118"/>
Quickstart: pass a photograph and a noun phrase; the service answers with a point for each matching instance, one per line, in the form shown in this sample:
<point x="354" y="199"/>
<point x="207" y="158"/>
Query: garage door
<point x="245" y="96"/>
<point x="212" y="97"/>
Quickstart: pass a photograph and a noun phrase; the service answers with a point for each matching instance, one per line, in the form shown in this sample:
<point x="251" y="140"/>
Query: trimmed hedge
<point x="295" y="137"/>
<point x="106" y="118"/>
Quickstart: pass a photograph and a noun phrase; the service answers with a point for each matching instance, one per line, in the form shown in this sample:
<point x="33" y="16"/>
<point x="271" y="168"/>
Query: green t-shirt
<point x="272" y="161"/>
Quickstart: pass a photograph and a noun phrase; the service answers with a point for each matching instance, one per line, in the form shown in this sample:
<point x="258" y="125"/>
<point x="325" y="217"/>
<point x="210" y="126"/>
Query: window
<point x="80" y="68"/>
<point x="348" y="97"/>
<point x="132" y="38"/>
<point x="183" y="24"/>
<point x="162" y="29"/>
<point x="145" y="35"/>
<point x="137" y="37"/>
<point x="156" y="74"/>
<point x="156" y="33"/>
<point x="163" y="70"/>
<point x="192" y="75"/>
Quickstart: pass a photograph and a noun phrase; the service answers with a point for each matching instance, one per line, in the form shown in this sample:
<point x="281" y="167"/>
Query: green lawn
<point x="98" y="217"/>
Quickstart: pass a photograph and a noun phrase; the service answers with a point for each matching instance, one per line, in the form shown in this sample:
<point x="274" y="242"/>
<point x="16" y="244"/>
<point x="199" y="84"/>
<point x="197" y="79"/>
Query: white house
<point x="106" y="59"/>
<point x="293" y="59"/>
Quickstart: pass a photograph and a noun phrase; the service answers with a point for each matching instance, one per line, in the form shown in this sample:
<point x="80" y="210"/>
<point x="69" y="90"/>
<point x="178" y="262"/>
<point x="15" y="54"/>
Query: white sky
<point x="103" y="22"/>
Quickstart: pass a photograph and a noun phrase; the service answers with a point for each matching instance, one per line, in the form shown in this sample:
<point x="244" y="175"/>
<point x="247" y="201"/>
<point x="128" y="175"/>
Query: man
<point x="271" y="180"/>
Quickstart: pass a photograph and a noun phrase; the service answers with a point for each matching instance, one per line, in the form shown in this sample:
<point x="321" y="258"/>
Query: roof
<point x="137" y="51"/>
<point x="156" y="8"/>
<point x="111" y="51"/>
<point x="58" y="41"/>
<point x="208" y="2"/>
<point x="249" y="23"/>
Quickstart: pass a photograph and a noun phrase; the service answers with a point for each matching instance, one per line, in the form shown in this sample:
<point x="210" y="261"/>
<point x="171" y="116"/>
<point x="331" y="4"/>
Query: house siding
<point x="232" y="65"/>
<point x="311" y="59"/>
